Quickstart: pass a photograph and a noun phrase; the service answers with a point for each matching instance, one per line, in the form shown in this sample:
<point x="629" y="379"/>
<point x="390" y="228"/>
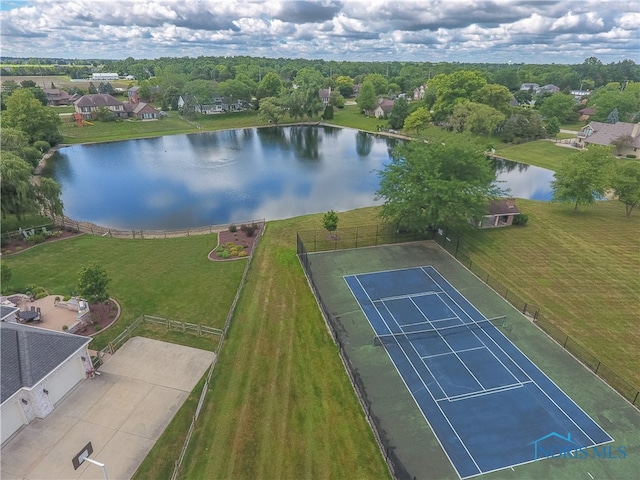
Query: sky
<point x="491" y="31"/>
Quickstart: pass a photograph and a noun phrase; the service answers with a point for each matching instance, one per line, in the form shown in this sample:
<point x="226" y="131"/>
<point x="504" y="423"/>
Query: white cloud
<point x="473" y="30"/>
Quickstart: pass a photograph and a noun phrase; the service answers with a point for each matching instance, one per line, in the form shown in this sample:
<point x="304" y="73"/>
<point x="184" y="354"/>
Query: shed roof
<point x="503" y="206"/>
<point x="29" y="354"/>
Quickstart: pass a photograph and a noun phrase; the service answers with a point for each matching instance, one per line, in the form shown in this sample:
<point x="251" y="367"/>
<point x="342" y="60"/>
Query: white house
<point x="39" y="367"/>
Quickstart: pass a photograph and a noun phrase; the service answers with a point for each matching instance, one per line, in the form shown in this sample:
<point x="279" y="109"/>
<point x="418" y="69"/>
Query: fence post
<point x="457" y="247"/>
<point x="315" y="240"/>
<point x="524" y="309"/>
<point x="376" y="235"/>
<point x="356" y="237"/>
<point x="598" y="367"/>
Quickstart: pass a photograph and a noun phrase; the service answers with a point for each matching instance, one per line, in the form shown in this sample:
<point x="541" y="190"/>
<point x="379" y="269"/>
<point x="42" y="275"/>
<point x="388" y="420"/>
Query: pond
<point x="182" y="181"/>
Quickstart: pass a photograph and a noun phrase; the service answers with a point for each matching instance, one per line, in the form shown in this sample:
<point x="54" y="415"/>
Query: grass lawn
<point x="281" y="405"/>
<point x="541" y="153"/>
<point x="581" y="268"/>
<point x="170" y="278"/>
<point x="351" y="117"/>
<point x="124" y="130"/>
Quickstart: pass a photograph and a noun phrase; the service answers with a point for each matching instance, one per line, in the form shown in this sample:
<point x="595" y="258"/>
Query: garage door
<point x="64" y="379"/>
<point x="12" y="419"/>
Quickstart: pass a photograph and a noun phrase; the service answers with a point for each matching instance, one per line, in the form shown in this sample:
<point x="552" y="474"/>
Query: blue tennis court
<point x="489" y="405"/>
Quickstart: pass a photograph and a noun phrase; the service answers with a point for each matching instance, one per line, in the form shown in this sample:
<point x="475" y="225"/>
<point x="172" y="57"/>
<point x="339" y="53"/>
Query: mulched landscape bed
<point x="20" y="244"/>
<point x="102" y="316"/>
<point x="238" y="238"/>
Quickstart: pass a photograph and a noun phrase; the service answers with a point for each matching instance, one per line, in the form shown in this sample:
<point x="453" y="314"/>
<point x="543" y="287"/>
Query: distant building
<point x="384" y="108"/>
<point x="325" y="95"/>
<point x="88" y="106"/>
<point x="104" y="76"/>
<point x="599" y="133"/>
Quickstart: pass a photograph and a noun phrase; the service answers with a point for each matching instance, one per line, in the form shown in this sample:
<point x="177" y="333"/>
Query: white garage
<point x="39" y="367"/>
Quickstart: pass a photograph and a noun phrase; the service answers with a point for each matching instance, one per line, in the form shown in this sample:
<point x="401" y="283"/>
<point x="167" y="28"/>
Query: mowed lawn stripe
<point x="281" y="404"/>
<point x="581" y="268"/>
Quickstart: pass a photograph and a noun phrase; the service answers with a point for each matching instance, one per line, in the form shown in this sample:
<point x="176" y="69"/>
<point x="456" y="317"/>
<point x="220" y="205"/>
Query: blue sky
<point x="492" y="31"/>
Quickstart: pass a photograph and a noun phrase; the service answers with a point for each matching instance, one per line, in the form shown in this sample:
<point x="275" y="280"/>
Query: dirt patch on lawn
<point x="238" y="244"/>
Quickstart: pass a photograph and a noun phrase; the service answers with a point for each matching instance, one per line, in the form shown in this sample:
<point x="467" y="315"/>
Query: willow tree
<point x="436" y="184"/>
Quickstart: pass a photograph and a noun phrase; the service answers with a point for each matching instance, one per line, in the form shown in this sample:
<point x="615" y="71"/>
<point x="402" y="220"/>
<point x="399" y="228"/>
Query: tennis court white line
<point x="474" y="333"/>
<point x="444" y="415"/>
<point x="489" y="391"/>
<point x="409" y="295"/>
<point x="425" y="323"/>
<point x="449" y="353"/>
<point x="449" y="345"/>
<point x="518" y="365"/>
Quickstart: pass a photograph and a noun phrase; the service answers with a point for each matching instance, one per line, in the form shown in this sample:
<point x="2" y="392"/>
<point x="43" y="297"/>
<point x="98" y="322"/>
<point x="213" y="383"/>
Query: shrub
<point x="233" y="228"/>
<point x="36" y="238"/>
<point x="521" y="219"/>
<point x="219" y="253"/>
<point x="226" y="254"/>
<point x="630" y="155"/>
<point x="65" y="328"/>
<point x="97" y="328"/>
<point x="66" y="298"/>
<point x="242" y="253"/>
<point x="249" y="231"/>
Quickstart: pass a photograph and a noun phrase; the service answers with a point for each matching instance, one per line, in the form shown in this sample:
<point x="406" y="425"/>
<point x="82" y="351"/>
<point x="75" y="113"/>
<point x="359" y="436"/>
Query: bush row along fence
<point x="205" y="388"/>
<point x="397" y="469"/>
<point x="87" y="227"/>
<point x="317" y="241"/>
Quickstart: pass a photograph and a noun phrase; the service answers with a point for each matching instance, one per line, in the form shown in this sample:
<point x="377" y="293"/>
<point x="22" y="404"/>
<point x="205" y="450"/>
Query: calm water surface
<point x="181" y="181"/>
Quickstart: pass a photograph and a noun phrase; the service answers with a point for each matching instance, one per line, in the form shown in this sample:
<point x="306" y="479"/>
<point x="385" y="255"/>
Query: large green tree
<point x="626" y="185"/>
<point x="24" y="112"/>
<point x="428" y="185"/>
<point x="454" y="88"/>
<point x="399" y="113"/>
<point x="269" y="86"/>
<point x="559" y="105"/>
<point x="418" y="119"/>
<point x="367" y="99"/>
<point x="583" y="178"/>
<point x="271" y="110"/>
<point x="16" y="190"/>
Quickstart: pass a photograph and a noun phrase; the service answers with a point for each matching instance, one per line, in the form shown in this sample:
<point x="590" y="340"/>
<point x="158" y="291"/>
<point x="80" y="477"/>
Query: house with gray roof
<point x="39" y="367"/>
<point x="624" y="136"/>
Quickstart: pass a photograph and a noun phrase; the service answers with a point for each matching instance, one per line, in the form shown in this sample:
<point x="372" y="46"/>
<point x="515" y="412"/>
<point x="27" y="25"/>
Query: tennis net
<point x="393" y="338"/>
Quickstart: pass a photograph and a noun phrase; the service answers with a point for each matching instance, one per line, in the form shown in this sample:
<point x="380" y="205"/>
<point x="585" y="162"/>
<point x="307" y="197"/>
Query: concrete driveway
<point x="122" y="412"/>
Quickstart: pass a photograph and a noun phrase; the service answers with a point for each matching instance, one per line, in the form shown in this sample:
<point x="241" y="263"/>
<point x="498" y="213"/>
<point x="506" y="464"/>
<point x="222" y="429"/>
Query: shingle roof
<point x="503" y="206"/>
<point x="7" y="311"/>
<point x="29" y="354"/>
<point x="605" y="133"/>
<point x="97" y="100"/>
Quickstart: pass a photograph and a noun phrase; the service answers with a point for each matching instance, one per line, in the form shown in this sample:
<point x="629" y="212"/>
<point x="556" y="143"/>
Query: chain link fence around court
<point x="372" y="235"/>
<point x="397" y="469"/>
